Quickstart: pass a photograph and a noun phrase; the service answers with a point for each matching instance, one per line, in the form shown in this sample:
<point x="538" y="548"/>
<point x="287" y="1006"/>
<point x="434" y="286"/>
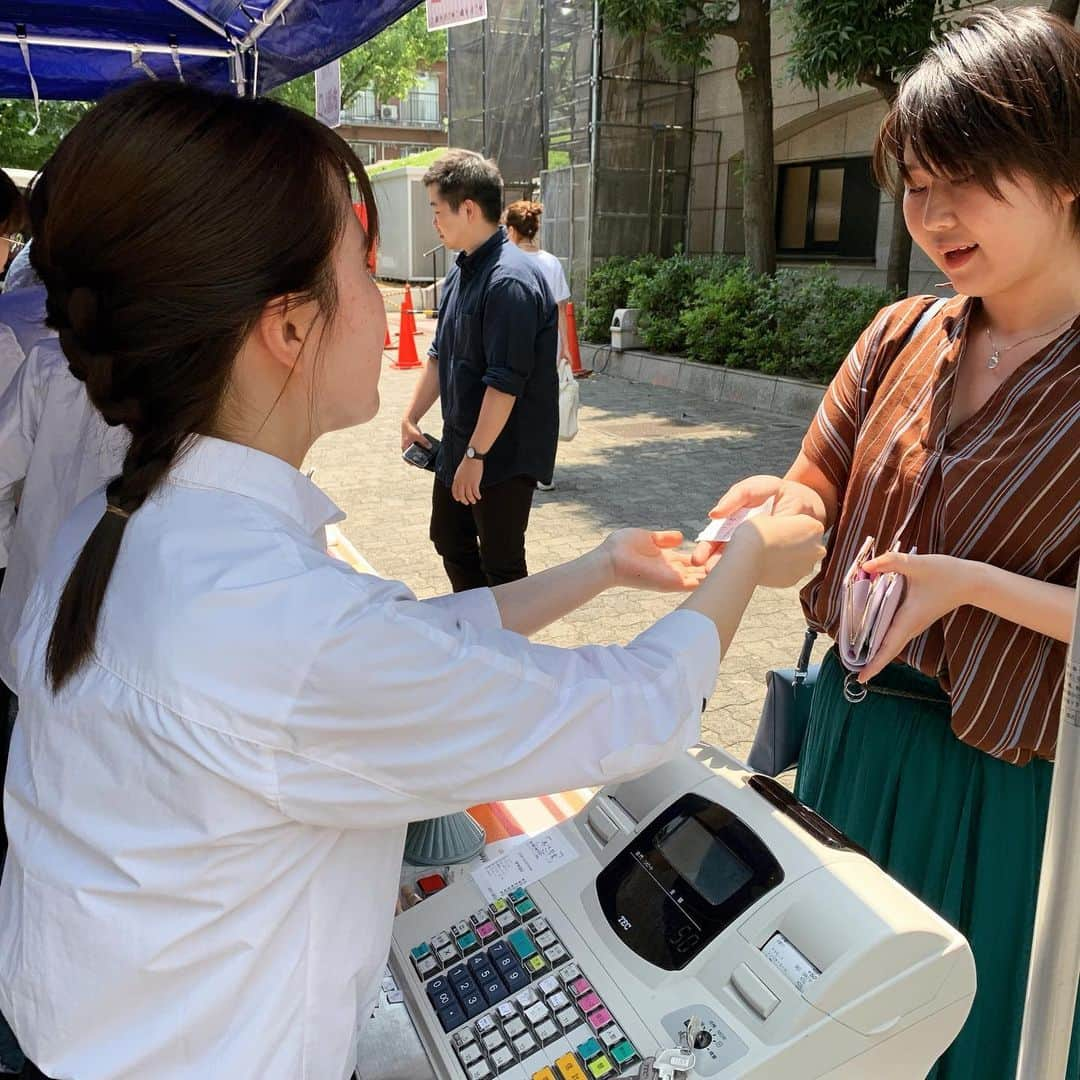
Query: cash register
<point x="710" y="926"/>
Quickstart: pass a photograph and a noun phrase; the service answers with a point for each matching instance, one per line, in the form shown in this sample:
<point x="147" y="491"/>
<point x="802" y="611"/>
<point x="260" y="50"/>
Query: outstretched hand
<point x="651" y="560"/>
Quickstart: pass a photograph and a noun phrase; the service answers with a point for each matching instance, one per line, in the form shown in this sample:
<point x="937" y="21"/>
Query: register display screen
<point x="711" y="867"/>
<point x="689" y="873"/>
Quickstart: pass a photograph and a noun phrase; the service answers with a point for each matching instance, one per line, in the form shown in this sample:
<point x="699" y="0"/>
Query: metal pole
<point x="594" y="101"/>
<point x="434" y="275"/>
<point x="264" y="22"/>
<point x="199" y="17"/>
<point x="1055" y="953"/>
<point x="52" y="40"/>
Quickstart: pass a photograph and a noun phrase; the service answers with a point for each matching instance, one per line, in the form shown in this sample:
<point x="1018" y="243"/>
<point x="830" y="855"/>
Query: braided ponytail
<point x="165" y="223"/>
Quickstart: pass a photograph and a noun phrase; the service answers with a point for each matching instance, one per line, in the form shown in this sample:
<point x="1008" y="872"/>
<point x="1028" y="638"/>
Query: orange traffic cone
<point x="387" y="344"/>
<point x="406" y="348"/>
<point x="575" y="351"/>
<point x="408" y="316"/>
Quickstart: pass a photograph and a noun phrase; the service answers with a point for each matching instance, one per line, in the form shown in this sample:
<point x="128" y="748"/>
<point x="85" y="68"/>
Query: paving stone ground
<point x="644" y="456"/>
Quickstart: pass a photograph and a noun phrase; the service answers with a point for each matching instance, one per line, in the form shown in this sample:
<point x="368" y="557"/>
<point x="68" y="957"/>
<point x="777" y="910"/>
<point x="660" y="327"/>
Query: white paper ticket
<point x="723" y="529"/>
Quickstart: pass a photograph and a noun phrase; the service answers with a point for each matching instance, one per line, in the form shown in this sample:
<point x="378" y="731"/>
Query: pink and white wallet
<point x="869" y="604"/>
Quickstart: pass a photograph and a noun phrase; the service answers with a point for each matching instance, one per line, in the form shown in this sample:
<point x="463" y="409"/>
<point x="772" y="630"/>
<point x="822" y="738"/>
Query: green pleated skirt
<point x="957" y="827"/>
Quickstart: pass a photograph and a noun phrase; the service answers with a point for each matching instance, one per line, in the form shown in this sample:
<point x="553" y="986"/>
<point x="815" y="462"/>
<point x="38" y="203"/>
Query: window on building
<point x="421" y="104"/>
<point x="362" y="107"/>
<point x="367" y="152"/>
<point x="828" y="208"/>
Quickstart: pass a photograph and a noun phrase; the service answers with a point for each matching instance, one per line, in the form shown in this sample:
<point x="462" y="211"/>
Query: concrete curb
<point x="771" y="393"/>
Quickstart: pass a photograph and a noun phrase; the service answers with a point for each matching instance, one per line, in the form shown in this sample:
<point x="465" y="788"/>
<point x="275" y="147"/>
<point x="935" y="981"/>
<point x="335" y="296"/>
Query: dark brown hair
<point x="999" y="96"/>
<point x="166" y="221"/>
<point x="461" y="174"/>
<point x="524" y="216"/>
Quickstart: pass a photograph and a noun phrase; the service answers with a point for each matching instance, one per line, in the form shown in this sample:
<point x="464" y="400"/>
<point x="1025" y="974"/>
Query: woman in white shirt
<point x="223" y="731"/>
<point x="522" y="224"/>
<point x="522" y="220"/>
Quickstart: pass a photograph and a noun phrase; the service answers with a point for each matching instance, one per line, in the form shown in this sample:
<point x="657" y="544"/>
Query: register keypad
<point x="504" y="987"/>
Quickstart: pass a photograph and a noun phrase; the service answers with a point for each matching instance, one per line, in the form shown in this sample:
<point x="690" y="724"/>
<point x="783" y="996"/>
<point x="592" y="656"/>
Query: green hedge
<point x="609" y="288"/>
<point x="716" y="311"/>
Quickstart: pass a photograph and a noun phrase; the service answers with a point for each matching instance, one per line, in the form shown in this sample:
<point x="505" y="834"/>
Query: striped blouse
<point x="1002" y="488"/>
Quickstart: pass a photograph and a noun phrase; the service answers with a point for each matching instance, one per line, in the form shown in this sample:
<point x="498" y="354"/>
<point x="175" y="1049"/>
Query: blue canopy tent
<point x="82" y="49"/>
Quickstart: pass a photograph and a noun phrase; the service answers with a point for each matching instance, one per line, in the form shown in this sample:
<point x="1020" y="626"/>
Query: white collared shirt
<point x="206" y="823"/>
<point x="54" y="450"/>
<point x="22" y="326"/>
<point x="20" y="274"/>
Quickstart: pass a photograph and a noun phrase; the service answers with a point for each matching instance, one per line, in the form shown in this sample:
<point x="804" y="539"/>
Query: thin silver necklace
<point x="997" y="351"/>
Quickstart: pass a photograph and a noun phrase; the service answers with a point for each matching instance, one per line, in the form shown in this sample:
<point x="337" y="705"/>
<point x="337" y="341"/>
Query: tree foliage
<point x="388" y="63"/>
<point x="872" y="42"/>
<point x="681" y="30"/>
<point x="21" y="150"/>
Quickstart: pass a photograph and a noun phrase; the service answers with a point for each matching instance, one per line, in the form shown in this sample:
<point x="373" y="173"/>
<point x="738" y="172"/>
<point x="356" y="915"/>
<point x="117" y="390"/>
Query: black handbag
<point x="786" y="713"/>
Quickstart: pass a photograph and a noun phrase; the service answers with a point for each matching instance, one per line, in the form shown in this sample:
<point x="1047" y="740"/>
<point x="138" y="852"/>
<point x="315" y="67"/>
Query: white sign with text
<point x="444" y="13"/>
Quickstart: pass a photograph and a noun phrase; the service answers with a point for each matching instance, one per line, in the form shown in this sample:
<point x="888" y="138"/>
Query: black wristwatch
<point x="473" y="454"/>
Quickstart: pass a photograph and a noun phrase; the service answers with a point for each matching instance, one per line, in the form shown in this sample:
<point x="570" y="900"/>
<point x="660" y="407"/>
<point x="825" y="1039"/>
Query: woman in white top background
<point x="522" y="220"/>
<point x="223" y="731"/>
<point x="522" y="226"/>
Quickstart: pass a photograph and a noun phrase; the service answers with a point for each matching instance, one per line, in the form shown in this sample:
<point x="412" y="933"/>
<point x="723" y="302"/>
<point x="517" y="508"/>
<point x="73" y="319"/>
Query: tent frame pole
<point x="199" y="17"/>
<point x="266" y="20"/>
<point x="50" y="41"/>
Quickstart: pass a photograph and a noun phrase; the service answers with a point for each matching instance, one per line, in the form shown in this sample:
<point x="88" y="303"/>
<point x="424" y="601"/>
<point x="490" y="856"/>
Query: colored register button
<point x="521" y="943"/>
<point x="421" y="950"/>
<point x="589" y="1002"/>
<point x="544" y="1074"/>
<point x="569" y="1069"/>
<point x="623" y="1052"/>
<point x="589" y="1049"/>
<point x="431" y="884"/>
<point x="600" y="1018"/>
<point x="601" y="1067"/>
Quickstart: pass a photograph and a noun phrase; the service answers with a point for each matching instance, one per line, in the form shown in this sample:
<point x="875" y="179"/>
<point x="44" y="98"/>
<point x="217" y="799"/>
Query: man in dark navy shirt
<point x="492" y="366"/>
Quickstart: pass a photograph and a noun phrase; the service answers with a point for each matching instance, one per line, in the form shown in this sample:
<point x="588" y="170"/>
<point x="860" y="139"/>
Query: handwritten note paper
<point x="524" y="863"/>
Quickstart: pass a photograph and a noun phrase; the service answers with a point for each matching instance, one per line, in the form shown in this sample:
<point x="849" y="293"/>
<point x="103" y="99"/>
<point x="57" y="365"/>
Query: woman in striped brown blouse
<point x="959" y="435"/>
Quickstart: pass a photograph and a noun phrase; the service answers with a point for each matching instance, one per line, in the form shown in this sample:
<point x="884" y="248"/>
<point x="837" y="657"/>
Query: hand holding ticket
<point x="721" y="530"/>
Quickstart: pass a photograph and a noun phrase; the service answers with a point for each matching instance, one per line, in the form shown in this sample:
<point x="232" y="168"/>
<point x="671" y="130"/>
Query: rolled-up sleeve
<point x="475" y="606"/>
<point x="412" y="710"/>
<point x="512" y="319"/>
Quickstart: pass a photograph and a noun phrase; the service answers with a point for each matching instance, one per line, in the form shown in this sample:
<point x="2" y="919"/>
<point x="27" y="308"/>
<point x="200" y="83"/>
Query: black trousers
<point x="483" y="544"/>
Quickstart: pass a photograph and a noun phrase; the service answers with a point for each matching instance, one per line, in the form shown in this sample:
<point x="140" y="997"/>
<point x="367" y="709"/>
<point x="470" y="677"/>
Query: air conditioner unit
<point x="388" y="112"/>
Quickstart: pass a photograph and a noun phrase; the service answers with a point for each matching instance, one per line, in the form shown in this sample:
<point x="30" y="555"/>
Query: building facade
<point x="386" y="130"/>
<point x="631" y="156"/>
<point x="828" y="208"/>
